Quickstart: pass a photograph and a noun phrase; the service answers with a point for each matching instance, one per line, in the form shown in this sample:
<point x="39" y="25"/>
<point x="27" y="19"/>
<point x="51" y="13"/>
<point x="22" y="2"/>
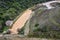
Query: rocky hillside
<point x="45" y="23"/>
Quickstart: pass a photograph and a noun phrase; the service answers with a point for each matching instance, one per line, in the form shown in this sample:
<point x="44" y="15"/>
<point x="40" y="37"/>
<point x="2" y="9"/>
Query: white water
<point x="48" y="4"/>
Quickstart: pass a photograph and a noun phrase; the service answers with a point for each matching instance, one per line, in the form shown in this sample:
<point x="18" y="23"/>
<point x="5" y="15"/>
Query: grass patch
<point x="5" y="28"/>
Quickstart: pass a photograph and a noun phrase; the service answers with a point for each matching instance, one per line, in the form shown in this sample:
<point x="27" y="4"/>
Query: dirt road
<point x="20" y="21"/>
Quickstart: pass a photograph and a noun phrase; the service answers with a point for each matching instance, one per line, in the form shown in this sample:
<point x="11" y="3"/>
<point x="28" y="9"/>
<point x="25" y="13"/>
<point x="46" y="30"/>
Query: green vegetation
<point x="45" y="32"/>
<point x="21" y="31"/>
<point x="5" y="28"/>
<point x="36" y="25"/>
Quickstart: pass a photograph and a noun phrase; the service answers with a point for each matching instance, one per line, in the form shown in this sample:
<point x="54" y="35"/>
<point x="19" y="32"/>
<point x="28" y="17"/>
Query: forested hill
<point x="9" y="9"/>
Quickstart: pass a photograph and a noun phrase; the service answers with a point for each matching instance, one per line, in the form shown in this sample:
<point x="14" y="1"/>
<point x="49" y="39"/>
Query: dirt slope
<point x="20" y="21"/>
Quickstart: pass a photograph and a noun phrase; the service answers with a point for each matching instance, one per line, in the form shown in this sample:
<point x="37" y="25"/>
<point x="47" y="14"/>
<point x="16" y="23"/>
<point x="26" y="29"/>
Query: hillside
<point x="40" y="22"/>
<point x="45" y="23"/>
<point x="10" y="9"/>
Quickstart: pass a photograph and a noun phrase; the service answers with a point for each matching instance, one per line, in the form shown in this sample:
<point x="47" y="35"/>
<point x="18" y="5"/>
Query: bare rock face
<point x="9" y="23"/>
